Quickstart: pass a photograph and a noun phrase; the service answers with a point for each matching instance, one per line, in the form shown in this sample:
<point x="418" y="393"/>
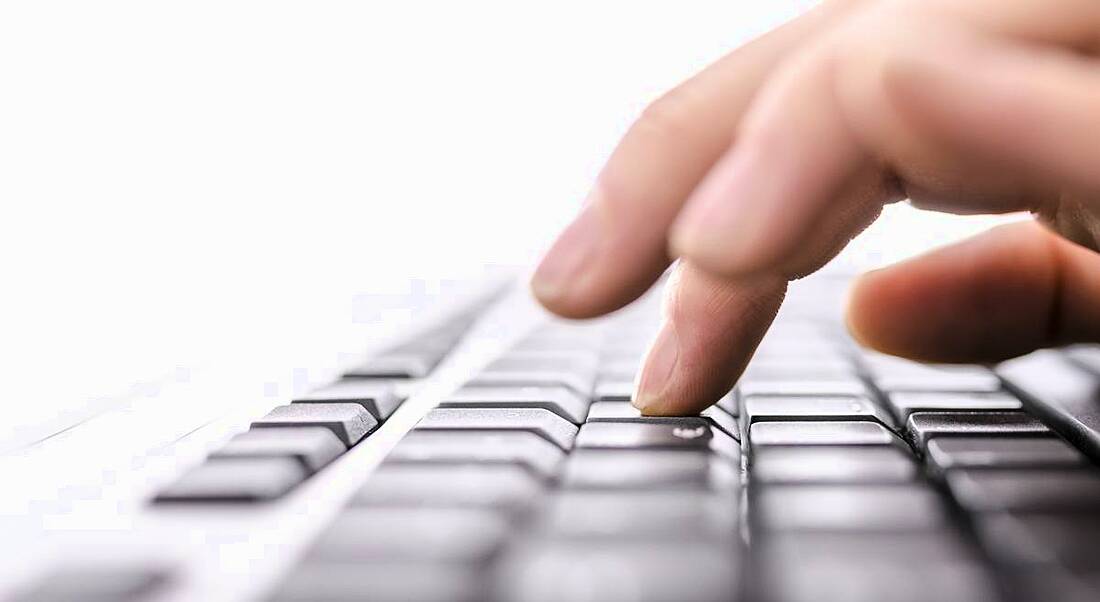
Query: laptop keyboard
<point x="828" y="473"/>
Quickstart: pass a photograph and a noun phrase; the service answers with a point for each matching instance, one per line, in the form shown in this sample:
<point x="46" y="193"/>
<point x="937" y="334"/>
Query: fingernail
<point x="569" y="255"/>
<point x="657" y="369"/>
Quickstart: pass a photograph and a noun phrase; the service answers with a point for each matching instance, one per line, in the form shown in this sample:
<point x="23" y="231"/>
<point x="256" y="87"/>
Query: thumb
<point x="1003" y="293"/>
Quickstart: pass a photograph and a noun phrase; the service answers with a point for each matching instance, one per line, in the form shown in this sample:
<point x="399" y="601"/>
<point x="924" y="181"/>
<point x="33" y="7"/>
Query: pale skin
<point x="760" y="168"/>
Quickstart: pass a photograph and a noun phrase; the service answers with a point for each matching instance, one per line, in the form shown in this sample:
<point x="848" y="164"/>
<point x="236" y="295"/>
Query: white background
<point x="195" y="180"/>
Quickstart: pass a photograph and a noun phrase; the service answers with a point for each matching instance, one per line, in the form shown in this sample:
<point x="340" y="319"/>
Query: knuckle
<point x="671" y="116"/>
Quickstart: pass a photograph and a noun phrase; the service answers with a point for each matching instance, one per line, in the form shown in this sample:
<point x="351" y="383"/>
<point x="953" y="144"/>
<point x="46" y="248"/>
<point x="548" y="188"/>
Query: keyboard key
<point x="504" y="486"/>
<point x="235" y="480"/>
<point x="545" y="423"/>
<point x="362" y="535"/>
<point x="614" y="390"/>
<point x="821" y="433"/>
<point x="851" y="387"/>
<point x="922" y="426"/>
<point x="647" y="469"/>
<point x="826" y="367"/>
<point x="313" y="446"/>
<point x="545" y="361"/>
<point x="1001" y="452"/>
<point x="497" y="447"/>
<point x="895" y="374"/>
<point x="581" y="383"/>
<point x="832" y="464"/>
<point x="559" y="400"/>
<point x="380" y="580"/>
<point x="350" y="422"/>
<point x="813" y="408"/>
<point x="568" y="571"/>
<point x="1065" y="396"/>
<point x="96" y="584"/>
<point x="848" y="508"/>
<point x="622" y="411"/>
<point x="640" y="514"/>
<point x="397" y="365"/>
<point x="379" y="399"/>
<point x="1033" y="490"/>
<point x="692" y="433"/>
<point x="906" y="403"/>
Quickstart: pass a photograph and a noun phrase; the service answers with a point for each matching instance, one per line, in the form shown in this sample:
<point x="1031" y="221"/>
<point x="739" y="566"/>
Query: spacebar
<point x="1063" y="395"/>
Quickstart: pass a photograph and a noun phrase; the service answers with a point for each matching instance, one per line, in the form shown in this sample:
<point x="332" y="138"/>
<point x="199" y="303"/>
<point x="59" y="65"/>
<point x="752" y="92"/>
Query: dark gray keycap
<point x="623" y="411"/>
<point x="235" y="480"/>
<point x="614" y="390"/>
<point x="380" y="581"/>
<point x="504" y="486"/>
<point x="568" y="571"/>
<point x="365" y="534"/>
<point x="627" y="514"/>
<point x="1068" y="540"/>
<point x="647" y="469"/>
<point x="397" y="365"/>
<point x="1064" y="395"/>
<point x="905" y="403"/>
<point x="495" y="447"/>
<point x="559" y="400"/>
<point x="904" y="507"/>
<point x="812" y="408"/>
<point x="313" y="446"/>
<point x="833" y="464"/>
<point x="95" y="584"/>
<point x="350" y="422"/>
<point x="840" y="386"/>
<point x="581" y="383"/>
<point x="821" y="433"/>
<point x="895" y="374"/>
<point x="693" y="433"/>
<point x="922" y="426"/>
<point x="378" y="398"/>
<point x="1001" y="452"/>
<point x="545" y="423"/>
<point x="1037" y="490"/>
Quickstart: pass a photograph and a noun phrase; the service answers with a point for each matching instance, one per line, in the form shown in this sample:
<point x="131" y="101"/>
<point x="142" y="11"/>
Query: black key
<point x="559" y="400"/>
<point x="632" y="514"/>
<point x="820" y="433"/>
<point x="379" y="399"/>
<point x="95" y="584"/>
<point x="350" y="422"/>
<point x="568" y="571"/>
<point x="504" y="486"/>
<point x="623" y="411"/>
<point x="1001" y="452"/>
<point x="236" y="480"/>
<point x="895" y="374"/>
<point x="492" y="447"/>
<point x="362" y="535"/>
<point x="905" y="403"/>
<point x="832" y="464"/>
<point x="811" y="408"/>
<point x="647" y="469"/>
<point x="905" y="507"/>
<point x="545" y="423"/>
<point x="1065" y="396"/>
<point x="381" y="580"/>
<point x="313" y="446"/>
<point x="1032" y="490"/>
<point x="922" y="426"/>
<point x="693" y="433"/>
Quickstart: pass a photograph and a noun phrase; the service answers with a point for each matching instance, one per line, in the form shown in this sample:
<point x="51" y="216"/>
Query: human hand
<point x="762" y="167"/>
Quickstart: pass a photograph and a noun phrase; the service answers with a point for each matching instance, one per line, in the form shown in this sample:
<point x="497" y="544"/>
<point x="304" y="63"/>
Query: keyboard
<point x="495" y="456"/>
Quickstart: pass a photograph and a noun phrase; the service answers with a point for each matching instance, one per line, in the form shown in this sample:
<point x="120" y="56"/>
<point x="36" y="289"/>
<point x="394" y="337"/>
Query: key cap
<point x="95" y="584"/>
<point x="501" y="486"/>
<point x="671" y="433"/>
<point x="544" y="361"/>
<point x="397" y="365"/>
<point x="544" y="423"/>
<point x="380" y="580"/>
<point x="614" y="390"/>
<point x="945" y="453"/>
<point x="647" y="469"/>
<point x="350" y="422"/>
<point x="581" y="383"/>
<point x="848" y="508"/>
<point x="362" y="535"/>
<point x="622" y="411"/>
<point x="568" y="571"/>
<point x="1035" y="490"/>
<point x="379" y="399"/>
<point x="811" y="408"/>
<point x="312" y="446"/>
<point x="621" y="370"/>
<point x="799" y="368"/>
<point x="1063" y="395"/>
<point x="905" y="403"/>
<point x="490" y="447"/>
<point x="559" y="400"/>
<point x="820" y="433"/>
<point x="895" y="374"/>
<point x="236" y="480"/>
<point x="922" y="426"/>
<point x="639" y="514"/>
<point x="832" y="464"/>
<point x="849" y="386"/>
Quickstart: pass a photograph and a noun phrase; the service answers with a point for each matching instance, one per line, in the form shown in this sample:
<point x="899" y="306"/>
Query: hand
<point x="763" y="166"/>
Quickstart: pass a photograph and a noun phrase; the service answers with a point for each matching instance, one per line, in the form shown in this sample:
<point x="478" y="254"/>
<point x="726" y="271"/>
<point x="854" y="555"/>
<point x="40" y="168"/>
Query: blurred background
<point x="207" y="183"/>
